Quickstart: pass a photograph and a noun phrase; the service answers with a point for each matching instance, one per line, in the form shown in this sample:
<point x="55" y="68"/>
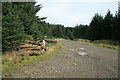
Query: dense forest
<point x="100" y="28"/>
<point x="19" y="21"/>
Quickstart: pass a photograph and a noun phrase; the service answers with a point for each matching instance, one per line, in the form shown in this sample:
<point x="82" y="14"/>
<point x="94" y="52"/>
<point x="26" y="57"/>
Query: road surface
<point x="74" y="60"/>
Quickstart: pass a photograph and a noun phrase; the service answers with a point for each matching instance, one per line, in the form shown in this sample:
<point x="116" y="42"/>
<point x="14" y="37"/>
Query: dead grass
<point x="98" y="43"/>
<point x="11" y="62"/>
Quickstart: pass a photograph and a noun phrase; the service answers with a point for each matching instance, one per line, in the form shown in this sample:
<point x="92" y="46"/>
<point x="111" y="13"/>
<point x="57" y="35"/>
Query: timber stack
<point x="33" y="47"/>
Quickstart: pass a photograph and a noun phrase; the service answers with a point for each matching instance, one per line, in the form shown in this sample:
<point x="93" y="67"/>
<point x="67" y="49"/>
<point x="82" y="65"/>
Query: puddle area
<point x="82" y="53"/>
<point x="82" y="48"/>
<point x="72" y="49"/>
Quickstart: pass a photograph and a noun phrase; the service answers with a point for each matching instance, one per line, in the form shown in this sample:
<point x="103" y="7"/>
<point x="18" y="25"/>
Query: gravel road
<point x="74" y="60"/>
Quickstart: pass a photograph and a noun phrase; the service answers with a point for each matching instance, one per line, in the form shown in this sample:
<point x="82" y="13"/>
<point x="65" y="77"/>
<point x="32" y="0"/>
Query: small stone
<point x="99" y="73"/>
<point x="74" y="64"/>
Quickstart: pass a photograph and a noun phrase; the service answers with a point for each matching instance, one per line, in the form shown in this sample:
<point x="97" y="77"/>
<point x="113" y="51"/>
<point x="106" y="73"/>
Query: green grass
<point x="18" y="62"/>
<point x="101" y="43"/>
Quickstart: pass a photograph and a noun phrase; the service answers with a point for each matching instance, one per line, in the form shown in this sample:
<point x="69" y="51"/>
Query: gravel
<point x="66" y="63"/>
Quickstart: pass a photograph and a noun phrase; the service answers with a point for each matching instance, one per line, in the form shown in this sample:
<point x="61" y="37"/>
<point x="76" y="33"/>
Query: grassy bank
<point x="10" y="63"/>
<point x="101" y="43"/>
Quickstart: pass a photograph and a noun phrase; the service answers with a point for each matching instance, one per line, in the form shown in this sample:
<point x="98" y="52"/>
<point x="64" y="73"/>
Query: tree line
<point x="19" y="20"/>
<point x="100" y="28"/>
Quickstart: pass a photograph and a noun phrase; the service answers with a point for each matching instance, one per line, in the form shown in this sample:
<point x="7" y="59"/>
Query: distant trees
<point x="95" y="28"/>
<point x="108" y="24"/>
<point x="20" y="20"/>
<point x="58" y="32"/>
<point x="116" y="28"/>
<point x="80" y="31"/>
<point x="104" y="28"/>
<point x="69" y="33"/>
<point x="100" y="28"/>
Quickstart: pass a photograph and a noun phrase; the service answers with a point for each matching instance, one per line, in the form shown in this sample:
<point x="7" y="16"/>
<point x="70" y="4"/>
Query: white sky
<point x="73" y="12"/>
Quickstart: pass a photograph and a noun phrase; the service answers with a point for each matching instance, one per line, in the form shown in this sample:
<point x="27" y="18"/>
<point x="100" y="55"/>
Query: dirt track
<point x="68" y="63"/>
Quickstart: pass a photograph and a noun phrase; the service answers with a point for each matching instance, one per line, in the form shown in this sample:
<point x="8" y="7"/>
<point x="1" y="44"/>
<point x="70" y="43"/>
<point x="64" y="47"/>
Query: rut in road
<point x="67" y="63"/>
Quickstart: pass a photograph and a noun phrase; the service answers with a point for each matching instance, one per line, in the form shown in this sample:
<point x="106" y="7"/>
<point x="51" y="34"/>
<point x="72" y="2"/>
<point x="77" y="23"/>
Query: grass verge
<point x="101" y="43"/>
<point x="16" y="62"/>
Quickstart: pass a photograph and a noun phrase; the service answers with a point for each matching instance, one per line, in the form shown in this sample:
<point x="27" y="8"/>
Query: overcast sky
<point x="72" y="12"/>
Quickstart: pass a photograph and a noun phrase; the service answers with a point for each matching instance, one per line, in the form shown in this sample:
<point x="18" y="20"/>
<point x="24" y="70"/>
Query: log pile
<point x="33" y="47"/>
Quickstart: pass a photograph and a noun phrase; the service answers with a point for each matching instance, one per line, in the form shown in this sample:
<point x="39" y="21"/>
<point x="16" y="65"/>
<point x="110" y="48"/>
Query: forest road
<point x="74" y="60"/>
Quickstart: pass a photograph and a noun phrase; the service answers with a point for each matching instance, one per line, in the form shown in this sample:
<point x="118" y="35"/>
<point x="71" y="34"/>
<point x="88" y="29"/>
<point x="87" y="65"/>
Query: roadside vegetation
<point x="101" y="43"/>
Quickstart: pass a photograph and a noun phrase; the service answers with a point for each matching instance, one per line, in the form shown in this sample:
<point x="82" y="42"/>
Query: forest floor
<point x="73" y="60"/>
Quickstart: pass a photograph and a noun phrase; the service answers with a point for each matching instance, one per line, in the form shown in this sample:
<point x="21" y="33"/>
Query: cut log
<point x="40" y="44"/>
<point x="40" y="41"/>
<point x="50" y="40"/>
<point x="29" y="42"/>
<point x="43" y="43"/>
<point x="46" y="48"/>
<point x="33" y="42"/>
<point x="20" y="54"/>
<point x="43" y="47"/>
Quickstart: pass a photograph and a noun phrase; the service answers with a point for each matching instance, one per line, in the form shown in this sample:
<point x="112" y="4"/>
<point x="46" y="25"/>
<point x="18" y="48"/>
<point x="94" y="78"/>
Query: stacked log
<point x="51" y="40"/>
<point x="33" y="47"/>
